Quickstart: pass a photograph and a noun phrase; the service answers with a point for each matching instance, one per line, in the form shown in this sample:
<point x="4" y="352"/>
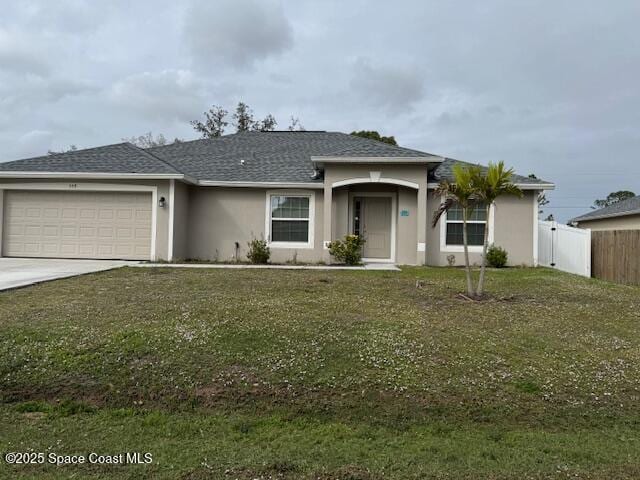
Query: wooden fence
<point x="615" y="256"/>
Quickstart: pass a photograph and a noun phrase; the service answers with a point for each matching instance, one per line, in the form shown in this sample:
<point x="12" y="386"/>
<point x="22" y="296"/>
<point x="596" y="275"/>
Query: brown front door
<point x="372" y="220"/>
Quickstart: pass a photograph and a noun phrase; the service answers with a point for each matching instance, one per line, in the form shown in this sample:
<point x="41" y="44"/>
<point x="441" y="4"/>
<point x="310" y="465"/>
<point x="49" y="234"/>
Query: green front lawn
<point x="323" y="375"/>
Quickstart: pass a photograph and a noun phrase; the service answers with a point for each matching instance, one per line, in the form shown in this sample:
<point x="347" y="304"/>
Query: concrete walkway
<point x="368" y="266"/>
<point x="22" y="272"/>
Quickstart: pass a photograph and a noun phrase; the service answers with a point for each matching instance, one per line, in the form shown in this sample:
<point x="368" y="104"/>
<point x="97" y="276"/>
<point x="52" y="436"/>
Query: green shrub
<point x="259" y="252"/>
<point x="348" y="250"/>
<point x="496" y="256"/>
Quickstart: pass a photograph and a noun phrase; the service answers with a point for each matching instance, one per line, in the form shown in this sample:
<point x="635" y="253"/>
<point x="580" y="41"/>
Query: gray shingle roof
<point x="118" y="158"/>
<point x="270" y="156"/>
<point x="444" y="171"/>
<point x="630" y="206"/>
<point x="241" y="157"/>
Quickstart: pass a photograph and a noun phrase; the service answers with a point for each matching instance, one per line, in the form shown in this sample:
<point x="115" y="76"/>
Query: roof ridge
<point x="378" y="142"/>
<point x="155" y="157"/>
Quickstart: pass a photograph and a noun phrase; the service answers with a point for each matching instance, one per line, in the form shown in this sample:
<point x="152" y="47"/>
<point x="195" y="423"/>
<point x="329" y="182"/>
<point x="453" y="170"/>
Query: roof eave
<point x="605" y="216"/>
<point x="231" y="183"/>
<point x="522" y="186"/>
<point x="99" y="175"/>
<point x="320" y="160"/>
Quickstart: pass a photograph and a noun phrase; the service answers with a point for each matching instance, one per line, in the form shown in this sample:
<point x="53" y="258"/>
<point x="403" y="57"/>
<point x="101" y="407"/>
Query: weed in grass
<point x="349" y="374"/>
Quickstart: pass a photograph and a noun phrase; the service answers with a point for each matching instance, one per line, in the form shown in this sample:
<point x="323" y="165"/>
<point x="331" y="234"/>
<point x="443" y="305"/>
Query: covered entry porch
<point x="388" y="211"/>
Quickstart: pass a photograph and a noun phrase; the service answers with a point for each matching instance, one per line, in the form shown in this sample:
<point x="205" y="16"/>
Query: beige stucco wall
<point x="209" y="220"/>
<point x="219" y="217"/>
<point x="513" y="222"/>
<point x="410" y="230"/>
<point x="181" y="221"/>
<point x="405" y="226"/>
<point x="627" y="222"/>
<point x="162" y="186"/>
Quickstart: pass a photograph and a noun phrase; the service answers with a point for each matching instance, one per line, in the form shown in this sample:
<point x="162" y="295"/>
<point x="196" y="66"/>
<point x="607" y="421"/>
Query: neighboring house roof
<point x="241" y="157"/>
<point x="444" y="171"/>
<point x="630" y="206"/>
<point x="118" y="158"/>
<point x="270" y="156"/>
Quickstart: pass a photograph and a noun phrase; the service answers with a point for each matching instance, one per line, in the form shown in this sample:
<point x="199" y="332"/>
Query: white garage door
<point x="76" y="224"/>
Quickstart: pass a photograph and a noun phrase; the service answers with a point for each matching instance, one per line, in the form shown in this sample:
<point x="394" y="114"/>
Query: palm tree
<point x="487" y="187"/>
<point x="473" y="187"/>
<point x="461" y="192"/>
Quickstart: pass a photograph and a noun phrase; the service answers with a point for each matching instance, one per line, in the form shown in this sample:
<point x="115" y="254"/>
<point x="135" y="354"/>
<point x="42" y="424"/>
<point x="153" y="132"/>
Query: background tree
<point x="214" y="122"/>
<point x="243" y="118"/>
<point x="71" y="148"/>
<point x="612" y="198"/>
<point x="487" y="187"/>
<point x="295" y="125"/>
<point x="267" y="125"/>
<point x="542" y="197"/>
<point x="148" y="140"/>
<point x="373" y="135"/>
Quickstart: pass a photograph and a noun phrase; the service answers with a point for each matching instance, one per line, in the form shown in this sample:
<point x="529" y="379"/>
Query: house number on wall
<point x="73" y="185"/>
<point x="404" y="213"/>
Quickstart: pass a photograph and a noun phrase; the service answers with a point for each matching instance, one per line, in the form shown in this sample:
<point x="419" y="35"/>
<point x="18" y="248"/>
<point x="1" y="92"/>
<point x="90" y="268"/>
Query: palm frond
<point x="442" y="208"/>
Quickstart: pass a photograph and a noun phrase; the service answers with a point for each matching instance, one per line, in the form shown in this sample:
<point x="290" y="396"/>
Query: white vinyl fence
<point x="565" y="248"/>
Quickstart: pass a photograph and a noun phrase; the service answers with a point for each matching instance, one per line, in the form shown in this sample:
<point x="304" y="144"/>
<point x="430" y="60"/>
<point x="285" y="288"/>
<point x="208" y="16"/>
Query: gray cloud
<point x="19" y="53"/>
<point x="34" y="91"/>
<point x="393" y="88"/>
<point x="169" y="94"/>
<point x="235" y="33"/>
<point x="34" y="143"/>
<point x="551" y="91"/>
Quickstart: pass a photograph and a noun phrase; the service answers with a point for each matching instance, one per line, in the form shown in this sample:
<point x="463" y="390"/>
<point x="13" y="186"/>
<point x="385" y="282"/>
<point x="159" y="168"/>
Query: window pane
<point x="475" y="232"/>
<point x="289" y="207"/>
<point x="455" y="212"/>
<point x="478" y="213"/>
<point x="454" y="234"/>
<point x="289" y="231"/>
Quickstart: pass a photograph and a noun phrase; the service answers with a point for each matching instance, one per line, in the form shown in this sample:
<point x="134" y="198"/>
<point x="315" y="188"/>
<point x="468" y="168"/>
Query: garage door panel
<point x="31" y="248"/>
<point x="88" y="213"/>
<point x="143" y="216"/>
<point x="51" y="213"/>
<point x="33" y="230"/>
<point x="105" y="214"/>
<point x="51" y="231"/>
<point x="92" y="224"/>
<point x="105" y="233"/>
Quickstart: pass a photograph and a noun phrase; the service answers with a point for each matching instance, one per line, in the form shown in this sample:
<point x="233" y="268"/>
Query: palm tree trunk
<point x="470" y="291"/>
<point x="483" y="263"/>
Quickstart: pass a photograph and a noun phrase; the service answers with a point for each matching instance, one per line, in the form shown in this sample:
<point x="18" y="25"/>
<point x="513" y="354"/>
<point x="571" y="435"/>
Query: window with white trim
<point x="290" y="219"/>
<point x="476" y="225"/>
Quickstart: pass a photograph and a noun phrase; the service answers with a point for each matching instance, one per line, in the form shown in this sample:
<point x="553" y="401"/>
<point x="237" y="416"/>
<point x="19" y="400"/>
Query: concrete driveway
<point x="21" y="272"/>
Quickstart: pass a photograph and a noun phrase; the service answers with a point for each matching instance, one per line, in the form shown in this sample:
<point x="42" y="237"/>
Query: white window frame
<point x="312" y="210"/>
<point x="460" y="248"/>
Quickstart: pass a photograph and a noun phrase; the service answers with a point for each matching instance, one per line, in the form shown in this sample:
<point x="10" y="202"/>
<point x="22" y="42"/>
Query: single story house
<point x="623" y="215"/>
<point x="206" y="199"/>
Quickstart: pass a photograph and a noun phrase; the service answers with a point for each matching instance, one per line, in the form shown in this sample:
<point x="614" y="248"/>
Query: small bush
<point x="348" y="250"/>
<point x="496" y="256"/>
<point x="259" y="252"/>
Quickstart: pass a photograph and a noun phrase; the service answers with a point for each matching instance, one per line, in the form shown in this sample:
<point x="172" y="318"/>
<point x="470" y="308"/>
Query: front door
<point x="372" y="220"/>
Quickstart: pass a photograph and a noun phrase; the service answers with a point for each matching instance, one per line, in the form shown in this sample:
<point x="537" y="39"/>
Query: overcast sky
<point x="551" y="90"/>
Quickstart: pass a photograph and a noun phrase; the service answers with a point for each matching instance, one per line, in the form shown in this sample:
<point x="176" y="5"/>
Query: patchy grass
<point x="323" y="375"/>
